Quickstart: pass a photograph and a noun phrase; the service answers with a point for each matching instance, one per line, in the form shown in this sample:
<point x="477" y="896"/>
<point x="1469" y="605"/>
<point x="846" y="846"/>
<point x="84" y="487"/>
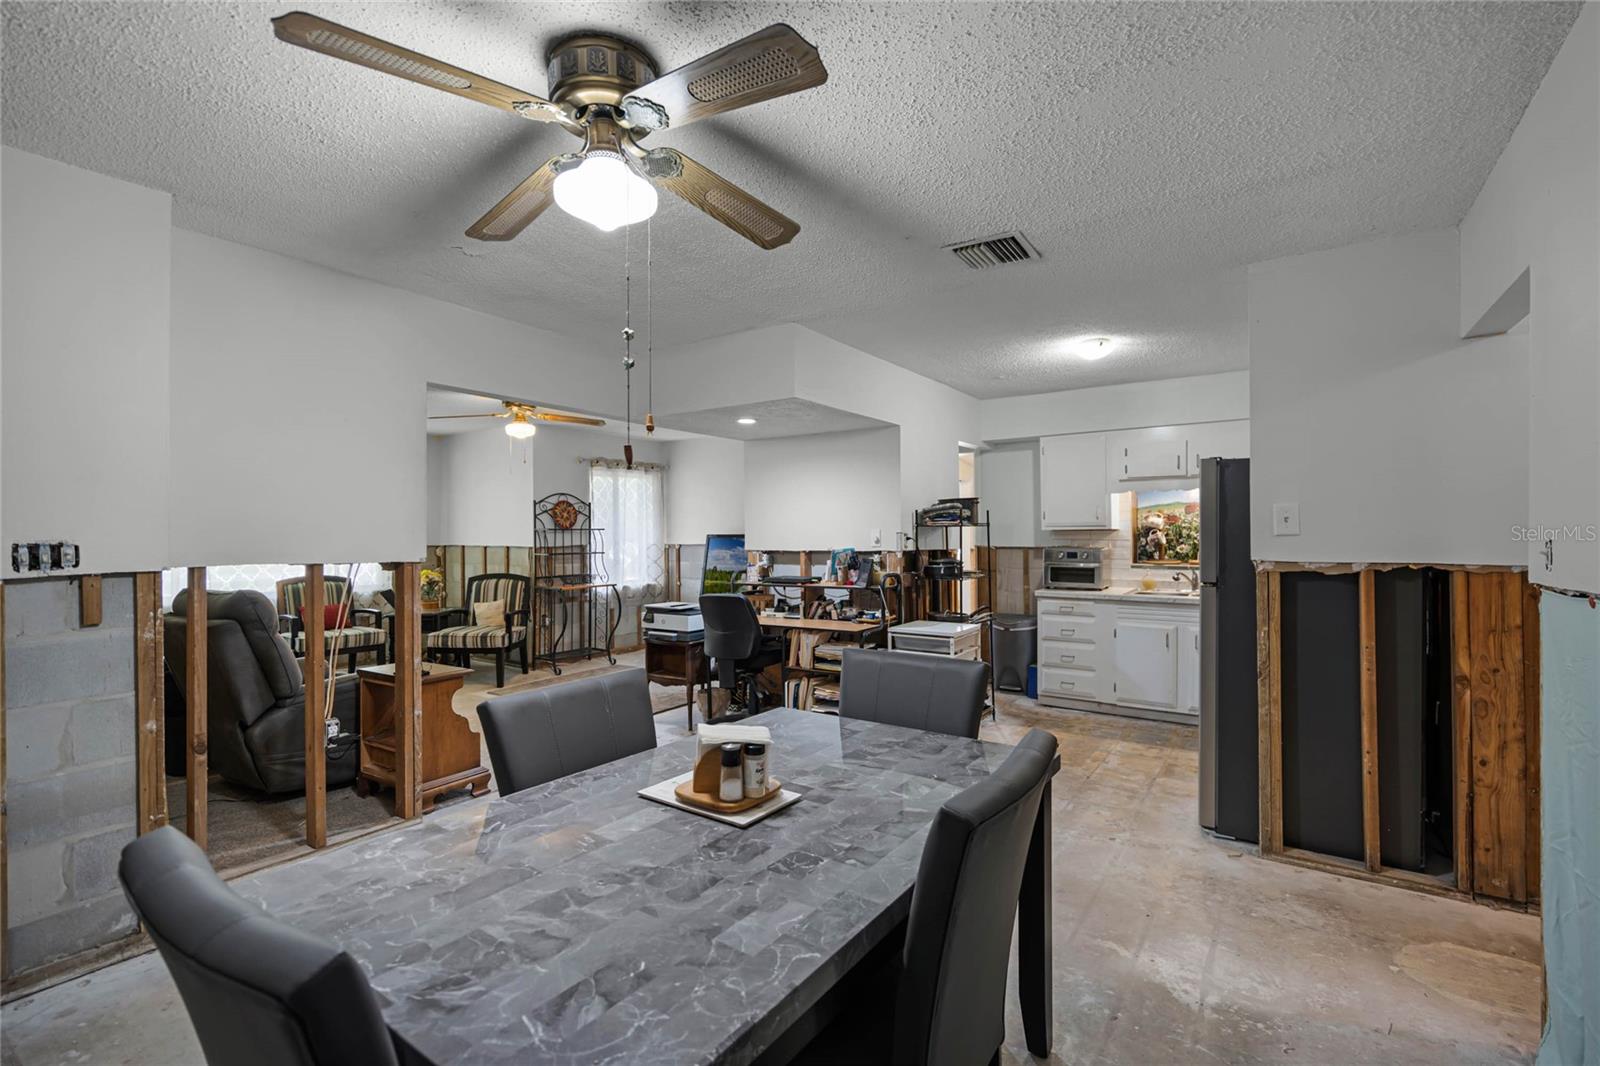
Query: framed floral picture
<point x="1166" y="527"/>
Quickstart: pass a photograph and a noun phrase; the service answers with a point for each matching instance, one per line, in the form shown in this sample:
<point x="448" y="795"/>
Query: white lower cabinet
<point x="1141" y="656"/>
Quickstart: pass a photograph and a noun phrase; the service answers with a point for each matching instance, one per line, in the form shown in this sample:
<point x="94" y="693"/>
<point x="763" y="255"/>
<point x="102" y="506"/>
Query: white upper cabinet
<point x="1072" y="482"/>
<point x="1217" y="440"/>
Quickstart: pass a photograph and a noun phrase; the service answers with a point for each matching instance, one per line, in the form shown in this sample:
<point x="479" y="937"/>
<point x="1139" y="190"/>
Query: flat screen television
<point x="725" y="563"/>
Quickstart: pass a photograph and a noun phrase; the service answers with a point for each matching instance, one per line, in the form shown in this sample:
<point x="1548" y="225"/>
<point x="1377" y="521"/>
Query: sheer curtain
<point x="263" y="577"/>
<point x="626" y="506"/>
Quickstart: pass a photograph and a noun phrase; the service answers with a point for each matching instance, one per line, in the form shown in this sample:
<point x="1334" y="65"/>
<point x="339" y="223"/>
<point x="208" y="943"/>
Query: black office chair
<point x="736" y="646"/>
<point x="550" y="732"/>
<point x="931" y="692"/>
<point x="259" y="993"/>
<point x="948" y="981"/>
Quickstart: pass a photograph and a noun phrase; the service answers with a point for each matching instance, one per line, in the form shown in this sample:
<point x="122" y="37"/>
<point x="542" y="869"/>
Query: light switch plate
<point x="1286" y="520"/>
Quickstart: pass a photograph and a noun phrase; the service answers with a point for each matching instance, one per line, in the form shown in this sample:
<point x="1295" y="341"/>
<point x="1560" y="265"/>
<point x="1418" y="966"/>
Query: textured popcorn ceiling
<point x="1150" y="150"/>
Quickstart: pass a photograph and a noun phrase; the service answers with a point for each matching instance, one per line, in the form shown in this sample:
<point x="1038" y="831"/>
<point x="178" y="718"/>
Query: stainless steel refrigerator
<point x="1228" y="771"/>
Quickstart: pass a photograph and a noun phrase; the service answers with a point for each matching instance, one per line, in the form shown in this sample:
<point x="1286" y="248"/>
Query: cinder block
<point x="40" y="607"/>
<point x="116" y="601"/>
<point x="92" y="862"/>
<point x="77" y="800"/>
<point x="36" y="741"/>
<point x="36" y="881"/>
<point x="67" y="667"/>
<point x="103" y="729"/>
<point x="76" y="929"/>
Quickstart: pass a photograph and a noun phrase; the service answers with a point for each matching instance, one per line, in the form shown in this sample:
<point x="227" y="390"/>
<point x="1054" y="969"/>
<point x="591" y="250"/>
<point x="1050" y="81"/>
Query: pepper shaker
<point x="755" y="770"/>
<point x="731" y="787"/>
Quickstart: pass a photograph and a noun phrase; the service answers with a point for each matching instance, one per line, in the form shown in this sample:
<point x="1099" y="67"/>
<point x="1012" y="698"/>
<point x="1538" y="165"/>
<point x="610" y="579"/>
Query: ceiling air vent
<point x="994" y="251"/>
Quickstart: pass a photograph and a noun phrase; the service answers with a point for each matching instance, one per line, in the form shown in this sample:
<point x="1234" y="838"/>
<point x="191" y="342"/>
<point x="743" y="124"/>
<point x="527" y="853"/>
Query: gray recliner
<point x="259" y="993"/>
<point x="255" y="697"/>
<point x="546" y="733"/>
<point x="931" y="692"/>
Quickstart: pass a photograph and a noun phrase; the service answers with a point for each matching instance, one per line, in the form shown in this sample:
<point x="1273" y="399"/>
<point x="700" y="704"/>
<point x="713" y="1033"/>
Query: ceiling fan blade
<point x="772" y="62"/>
<point x="519" y="207"/>
<point x="719" y="198"/>
<point x="341" y="42"/>
<point x="577" y="420"/>
<point x="486" y="414"/>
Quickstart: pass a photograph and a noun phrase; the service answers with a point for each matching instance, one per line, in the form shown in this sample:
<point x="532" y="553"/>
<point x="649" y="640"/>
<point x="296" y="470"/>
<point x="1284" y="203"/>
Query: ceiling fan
<point x="605" y="90"/>
<point x="522" y="417"/>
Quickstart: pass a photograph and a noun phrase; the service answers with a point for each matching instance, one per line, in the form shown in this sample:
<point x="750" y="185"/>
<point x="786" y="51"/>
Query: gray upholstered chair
<point x="460" y="636"/>
<point x="932" y="692"/>
<point x="368" y="635"/>
<point x="948" y="981"/>
<point x="258" y="992"/>
<point x="255" y="696"/>
<point x="546" y="733"/>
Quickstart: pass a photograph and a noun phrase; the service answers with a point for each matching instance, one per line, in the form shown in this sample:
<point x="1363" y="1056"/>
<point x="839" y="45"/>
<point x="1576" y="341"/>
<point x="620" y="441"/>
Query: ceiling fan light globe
<point x="520" y="428"/>
<point x="604" y="192"/>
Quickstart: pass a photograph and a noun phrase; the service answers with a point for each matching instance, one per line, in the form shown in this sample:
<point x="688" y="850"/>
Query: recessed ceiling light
<point x="1092" y="348"/>
<point x="745" y="421"/>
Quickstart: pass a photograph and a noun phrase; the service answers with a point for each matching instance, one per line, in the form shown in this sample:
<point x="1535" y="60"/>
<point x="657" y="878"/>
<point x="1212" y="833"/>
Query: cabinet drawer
<point x="1054" y="608"/>
<point x="1073" y="684"/>
<point x="1074" y="654"/>
<point x="1095" y="628"/>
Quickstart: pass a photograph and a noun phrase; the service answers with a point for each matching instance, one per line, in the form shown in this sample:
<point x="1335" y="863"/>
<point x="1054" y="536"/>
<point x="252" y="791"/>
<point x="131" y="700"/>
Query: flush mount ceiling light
<point x="519" y="427"/>
<point x="604" y="191"/>
<point x="1092" y="348"/>
<point x="745" y="421"/>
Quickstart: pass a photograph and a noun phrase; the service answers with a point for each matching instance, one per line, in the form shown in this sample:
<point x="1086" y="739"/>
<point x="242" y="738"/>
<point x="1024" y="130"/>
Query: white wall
<point x="486" y="489"/>
<point x="704" y="489"/>
<point x="1399" y="441"/>
<point x="1540" y="211"/>
<point x="84" y="354"/>
<point x="1173" y="401"/>
<point x="299" y="398"/>
<point x="831" y="490"/>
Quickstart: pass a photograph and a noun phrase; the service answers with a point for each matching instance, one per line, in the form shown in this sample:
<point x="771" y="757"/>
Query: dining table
<point x="578" y="922"/>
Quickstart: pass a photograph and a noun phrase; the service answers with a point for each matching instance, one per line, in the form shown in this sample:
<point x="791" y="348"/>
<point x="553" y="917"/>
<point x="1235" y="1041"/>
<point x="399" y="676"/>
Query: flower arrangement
<point x="432" y="588"/>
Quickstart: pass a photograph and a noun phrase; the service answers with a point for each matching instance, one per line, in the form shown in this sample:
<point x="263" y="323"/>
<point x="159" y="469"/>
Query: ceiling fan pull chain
<point x="649" y="333"/>
<point x="627" y="335"/>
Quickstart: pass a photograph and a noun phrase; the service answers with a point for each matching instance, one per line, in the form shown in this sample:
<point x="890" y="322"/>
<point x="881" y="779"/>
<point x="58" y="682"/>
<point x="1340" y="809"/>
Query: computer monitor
<point x="725" y="563"/>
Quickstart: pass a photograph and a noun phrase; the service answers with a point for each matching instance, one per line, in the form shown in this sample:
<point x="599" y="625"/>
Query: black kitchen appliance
<point x="1228" y="731"/>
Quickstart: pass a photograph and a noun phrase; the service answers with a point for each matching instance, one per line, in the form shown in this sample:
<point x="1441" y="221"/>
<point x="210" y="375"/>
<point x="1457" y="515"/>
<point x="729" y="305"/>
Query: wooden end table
<point x="677" y="662"/>
<point x="450" y="750"/>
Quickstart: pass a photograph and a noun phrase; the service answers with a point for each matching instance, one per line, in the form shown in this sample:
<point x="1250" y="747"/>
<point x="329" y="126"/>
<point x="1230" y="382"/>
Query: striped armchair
<point x="459" y="635"/>
<point x="353" y="640"/>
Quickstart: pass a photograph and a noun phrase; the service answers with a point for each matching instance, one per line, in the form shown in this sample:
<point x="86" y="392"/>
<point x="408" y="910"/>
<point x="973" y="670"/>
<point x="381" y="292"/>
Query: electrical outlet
<point x="1286" y="520"/>
<point x="44" y="557"/>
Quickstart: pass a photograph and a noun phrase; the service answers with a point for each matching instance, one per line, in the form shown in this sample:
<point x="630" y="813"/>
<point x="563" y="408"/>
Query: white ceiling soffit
<point x="1146" y="150"/>
<point x="442" y="401"/>
<point x="791" y="417"/>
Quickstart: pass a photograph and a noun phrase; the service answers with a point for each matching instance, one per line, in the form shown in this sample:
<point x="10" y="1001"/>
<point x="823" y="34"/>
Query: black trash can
<point x="1015" y="648"/>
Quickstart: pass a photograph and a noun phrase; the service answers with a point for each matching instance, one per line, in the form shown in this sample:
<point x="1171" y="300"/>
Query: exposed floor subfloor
<point x="1169" y="946"/>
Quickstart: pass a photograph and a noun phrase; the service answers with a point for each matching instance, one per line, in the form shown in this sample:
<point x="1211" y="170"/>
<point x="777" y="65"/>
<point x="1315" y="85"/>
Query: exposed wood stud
<point x="408" y="690"/>
<point x="1372" y="842"/>
<point x="90" y="605"/>
<point x="1499" y="751"/>
<point x="1532" y="710"/>
<point x="195" y="761"/>
<point x="150" y="701"/>
<point x="4" y="875"/>
<point x="316" y="680"/>
<point x="1269" y="713"/>
<point x="1461" y="723"/>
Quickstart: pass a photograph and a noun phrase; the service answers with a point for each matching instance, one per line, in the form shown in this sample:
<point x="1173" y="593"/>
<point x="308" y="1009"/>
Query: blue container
<point x="1033" y="681"/>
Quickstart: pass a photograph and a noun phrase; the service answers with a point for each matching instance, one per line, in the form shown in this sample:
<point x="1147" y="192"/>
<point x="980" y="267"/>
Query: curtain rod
<point x="599" y="460"/>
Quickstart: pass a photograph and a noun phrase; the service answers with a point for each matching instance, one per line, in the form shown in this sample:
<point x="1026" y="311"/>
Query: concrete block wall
<point x="71" y="774"/>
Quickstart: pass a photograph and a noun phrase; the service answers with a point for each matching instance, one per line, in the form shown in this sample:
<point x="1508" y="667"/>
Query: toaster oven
<point x="1073" y="568"/>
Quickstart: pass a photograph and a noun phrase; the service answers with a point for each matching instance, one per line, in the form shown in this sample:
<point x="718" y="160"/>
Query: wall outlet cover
<point x="1286" y="520"/>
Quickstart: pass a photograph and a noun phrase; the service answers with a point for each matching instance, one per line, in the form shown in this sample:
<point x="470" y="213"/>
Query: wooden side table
<point x="677" y="662"/>
<point x="450" y="749"/>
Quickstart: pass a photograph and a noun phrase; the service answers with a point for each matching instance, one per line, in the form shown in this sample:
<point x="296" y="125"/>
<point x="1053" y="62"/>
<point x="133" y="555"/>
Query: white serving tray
<point x="665" y="792"/>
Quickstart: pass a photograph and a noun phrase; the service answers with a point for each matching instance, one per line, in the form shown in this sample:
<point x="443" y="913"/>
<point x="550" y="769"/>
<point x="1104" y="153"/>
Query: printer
<point x="674" y="620"/>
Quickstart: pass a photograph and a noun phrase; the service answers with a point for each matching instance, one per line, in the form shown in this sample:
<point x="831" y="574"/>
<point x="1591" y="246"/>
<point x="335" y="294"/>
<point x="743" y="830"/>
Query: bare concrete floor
<point x="1169" y="946"/>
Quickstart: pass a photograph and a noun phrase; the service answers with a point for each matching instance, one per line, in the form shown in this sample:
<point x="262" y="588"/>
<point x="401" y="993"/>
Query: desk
<point x="677" y="662"/>
<point x="819" y="630"/>
<point x="577" y="922"/>
<point x="450" y="750"/>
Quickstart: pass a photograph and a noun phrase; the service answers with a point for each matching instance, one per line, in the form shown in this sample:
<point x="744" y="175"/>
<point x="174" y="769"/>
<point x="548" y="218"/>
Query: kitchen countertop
<point x="1132" y="595"/>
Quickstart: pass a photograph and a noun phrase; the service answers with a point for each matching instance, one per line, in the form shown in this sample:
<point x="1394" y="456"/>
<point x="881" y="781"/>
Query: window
<point x="626" y="506"/>
<point x="263" y="577"/>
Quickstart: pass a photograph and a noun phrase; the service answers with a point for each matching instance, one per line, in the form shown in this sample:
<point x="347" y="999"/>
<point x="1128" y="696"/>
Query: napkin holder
<point x="704" y="787"/>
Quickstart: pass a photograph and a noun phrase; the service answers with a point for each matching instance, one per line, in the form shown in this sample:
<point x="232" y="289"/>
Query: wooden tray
<point x="685" y="792"/>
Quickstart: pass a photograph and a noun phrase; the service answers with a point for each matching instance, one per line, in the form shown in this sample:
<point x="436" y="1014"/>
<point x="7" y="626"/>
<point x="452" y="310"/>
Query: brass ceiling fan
<point x="605" y="90"/>
<point x="522" y="417"/>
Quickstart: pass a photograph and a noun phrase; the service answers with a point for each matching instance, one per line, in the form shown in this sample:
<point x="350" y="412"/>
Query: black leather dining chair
<point x="931" y="692"/>
<point x="948" y="981"/>
<point x="259" y="993"/>
<point x="736" y="646"/>
<point x="550" y="732"/>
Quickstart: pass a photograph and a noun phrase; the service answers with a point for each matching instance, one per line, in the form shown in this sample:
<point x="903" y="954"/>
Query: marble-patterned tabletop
<point x="578" y="922"/>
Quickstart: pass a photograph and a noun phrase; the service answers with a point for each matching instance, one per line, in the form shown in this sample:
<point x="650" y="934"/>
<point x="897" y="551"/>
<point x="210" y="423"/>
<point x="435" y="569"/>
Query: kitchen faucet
<point x="1192" y="576"/>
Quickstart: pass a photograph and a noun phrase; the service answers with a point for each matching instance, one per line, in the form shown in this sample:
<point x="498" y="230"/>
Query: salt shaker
<point x="731" y="786"/>
<point x="755" y="770"/>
